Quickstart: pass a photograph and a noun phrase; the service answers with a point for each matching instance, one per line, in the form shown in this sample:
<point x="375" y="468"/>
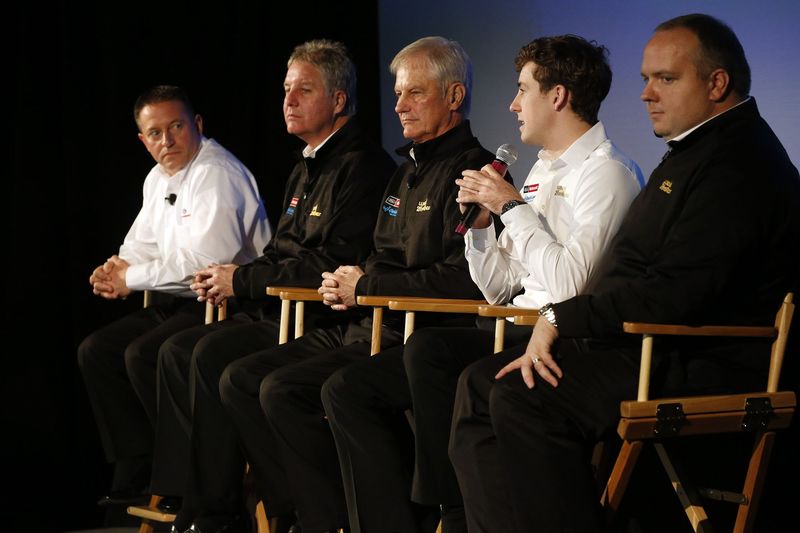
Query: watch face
<point x="508" y="206"/>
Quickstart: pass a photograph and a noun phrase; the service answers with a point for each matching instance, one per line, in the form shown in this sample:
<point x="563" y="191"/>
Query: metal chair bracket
<point x="758" y="412"/>
<point x="669" y="419"/>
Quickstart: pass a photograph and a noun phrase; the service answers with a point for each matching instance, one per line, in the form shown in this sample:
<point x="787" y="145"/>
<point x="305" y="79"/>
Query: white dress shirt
<point x="551" y="245"/>
<point x="217" y="217"/>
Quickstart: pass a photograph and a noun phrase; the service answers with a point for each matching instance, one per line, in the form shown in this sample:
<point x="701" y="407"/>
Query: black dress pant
<point x="118" y="363"/>
<point x="292" y="446"/>
<point x="523" y="456"/>
<point x="364" y="401"/>
<point x="197" y="453"/>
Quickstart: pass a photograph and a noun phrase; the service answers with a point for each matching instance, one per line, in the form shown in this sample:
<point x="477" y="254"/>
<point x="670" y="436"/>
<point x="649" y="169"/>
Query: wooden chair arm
<point x="410" y="305"/>
<point x="526" y="320"/>
<point x="779" y="332"/>
<point x="709" y="331"/>
<point x="506" y="311"/>
<point x="436" y="305"/>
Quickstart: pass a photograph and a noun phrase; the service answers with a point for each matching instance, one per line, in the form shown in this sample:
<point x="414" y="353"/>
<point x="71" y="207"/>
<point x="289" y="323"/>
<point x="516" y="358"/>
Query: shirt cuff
<point x="136" y="277"/>
<point x="481" y="239"/>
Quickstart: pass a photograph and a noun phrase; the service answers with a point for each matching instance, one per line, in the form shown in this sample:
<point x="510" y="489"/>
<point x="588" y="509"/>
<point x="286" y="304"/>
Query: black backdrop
<point x="75" y="187"/>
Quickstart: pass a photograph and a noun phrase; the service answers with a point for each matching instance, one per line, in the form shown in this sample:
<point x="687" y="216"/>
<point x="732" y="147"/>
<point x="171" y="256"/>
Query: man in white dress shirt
<point x="200" y="206"/>
<point x="556" y="229"/>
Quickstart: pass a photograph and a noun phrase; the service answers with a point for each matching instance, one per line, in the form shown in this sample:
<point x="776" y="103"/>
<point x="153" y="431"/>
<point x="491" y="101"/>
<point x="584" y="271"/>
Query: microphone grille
<point x="507" y="154"/>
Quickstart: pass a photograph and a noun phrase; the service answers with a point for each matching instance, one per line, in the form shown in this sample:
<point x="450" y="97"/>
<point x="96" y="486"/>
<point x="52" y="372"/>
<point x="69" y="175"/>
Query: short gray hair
<point x="448" y="61"/>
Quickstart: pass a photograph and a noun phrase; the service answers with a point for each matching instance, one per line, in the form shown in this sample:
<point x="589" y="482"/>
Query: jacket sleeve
<point x="346" y="239"/>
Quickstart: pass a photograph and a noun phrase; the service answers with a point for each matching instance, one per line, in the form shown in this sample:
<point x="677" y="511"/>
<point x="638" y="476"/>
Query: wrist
<point x="549" y="315"/>
<point x="509" y="205"/>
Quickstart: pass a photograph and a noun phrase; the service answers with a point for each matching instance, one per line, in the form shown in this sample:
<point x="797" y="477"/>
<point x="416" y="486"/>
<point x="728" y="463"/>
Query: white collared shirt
<point x="217" y="217"/>
<point x="551" y="245"/>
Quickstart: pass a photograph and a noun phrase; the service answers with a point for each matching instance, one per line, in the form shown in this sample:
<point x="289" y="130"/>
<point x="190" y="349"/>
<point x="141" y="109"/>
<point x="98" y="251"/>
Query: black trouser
<point x="118" y="363"/>
<point x="523" y="456"/>
<point x="208" y="468"/>
<point x="363" y="402"/>
<point x="293" y="448"/>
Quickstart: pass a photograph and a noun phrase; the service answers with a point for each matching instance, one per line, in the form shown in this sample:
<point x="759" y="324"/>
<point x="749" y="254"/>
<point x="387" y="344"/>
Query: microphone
<point x="171" y="198"/>
<point x="505" y="156"/>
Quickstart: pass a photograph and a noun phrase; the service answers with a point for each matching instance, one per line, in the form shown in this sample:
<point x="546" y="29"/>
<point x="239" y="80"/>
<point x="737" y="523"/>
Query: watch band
<point x="508" y="206"/>
<point x="548" y="313"/>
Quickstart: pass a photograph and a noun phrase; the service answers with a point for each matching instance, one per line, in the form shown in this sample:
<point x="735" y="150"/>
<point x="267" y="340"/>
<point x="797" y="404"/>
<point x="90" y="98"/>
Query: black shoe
<point x="170" y="504"/>
<point x="124" y="497"/>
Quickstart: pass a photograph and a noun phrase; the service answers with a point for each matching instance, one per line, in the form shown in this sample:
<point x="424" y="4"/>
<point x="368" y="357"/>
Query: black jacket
<point x="328" y="215"/>
<point x="712" y="239"/>
<point x="417" y="251"/>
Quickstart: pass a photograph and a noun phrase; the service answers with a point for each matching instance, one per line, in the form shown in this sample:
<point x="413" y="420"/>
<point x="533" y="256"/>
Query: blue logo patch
<point x="390" y="205"/>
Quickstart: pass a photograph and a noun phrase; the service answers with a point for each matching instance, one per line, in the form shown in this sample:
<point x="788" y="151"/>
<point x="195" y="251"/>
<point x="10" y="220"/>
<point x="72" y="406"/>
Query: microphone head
<point x="507" y="154"/>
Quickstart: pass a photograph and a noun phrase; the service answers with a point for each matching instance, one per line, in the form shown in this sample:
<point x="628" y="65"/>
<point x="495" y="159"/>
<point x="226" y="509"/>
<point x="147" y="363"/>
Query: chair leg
<point x="689" y="497"/>
<point x="754" y="482"/>
<point x="620" y="476"/>
<point x="146" y="526"/>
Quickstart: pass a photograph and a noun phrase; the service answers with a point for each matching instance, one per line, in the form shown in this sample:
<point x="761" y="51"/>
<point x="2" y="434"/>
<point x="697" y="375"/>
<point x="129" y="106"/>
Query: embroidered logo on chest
<point x="391" y="205"/>
<point x="561" y="191"/>
<point x="314" y="211"/>
<point x="423" y="206"/>
<point x="666" y="186"/>
<point x="292" y="205"/>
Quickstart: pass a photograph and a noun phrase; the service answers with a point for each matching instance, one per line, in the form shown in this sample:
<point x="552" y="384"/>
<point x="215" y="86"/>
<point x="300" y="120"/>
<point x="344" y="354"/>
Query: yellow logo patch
<point x="666" y="186"/>
<point x="560" y="191"/>
<point x="423" y="206"/>
<point x="314" y="212"/>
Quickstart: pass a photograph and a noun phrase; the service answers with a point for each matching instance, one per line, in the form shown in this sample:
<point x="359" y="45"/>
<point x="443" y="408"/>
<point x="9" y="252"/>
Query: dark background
<point x="74" y="188"/>
<point x="77" y="170"/>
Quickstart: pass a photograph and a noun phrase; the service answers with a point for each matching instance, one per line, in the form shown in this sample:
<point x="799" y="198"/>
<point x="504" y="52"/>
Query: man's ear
<point x="198" y="122"/>
<point x="719" y="85"/>
<point x="560" y="97"/>
<point x="340" y="102"/>
<point x="455" y="95"/>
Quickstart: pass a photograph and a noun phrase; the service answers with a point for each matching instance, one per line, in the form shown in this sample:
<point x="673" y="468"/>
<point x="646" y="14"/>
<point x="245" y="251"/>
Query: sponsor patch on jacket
<point x="391" y="205"/>
<point x="423" y="206"/>
<point x="666" y="186"/>
<point x="315" y="211"/>
<point x="292" y="206"/>
<point x="561" y="191"/>
<point x="529" y="192"/>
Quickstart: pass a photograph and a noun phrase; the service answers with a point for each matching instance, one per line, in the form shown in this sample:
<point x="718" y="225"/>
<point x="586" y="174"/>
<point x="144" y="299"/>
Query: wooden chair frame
<point x="657" y="421"/>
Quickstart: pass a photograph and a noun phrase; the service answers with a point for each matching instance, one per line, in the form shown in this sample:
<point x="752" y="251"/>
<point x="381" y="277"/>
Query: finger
<point x="527" y="376"/>
<point x="510" y="367"/>
<point x="545" y="373"/>
<point x="553" y="367"/>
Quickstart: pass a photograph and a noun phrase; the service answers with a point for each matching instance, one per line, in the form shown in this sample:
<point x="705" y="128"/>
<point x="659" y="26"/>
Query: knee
<point x="205" y="357"/>
<point x="88" y="351"/>
<point x="335" y="391"/>
<point x="273" y="393"/>
<point x="231" y="382"/>
<point x="331" y="390"/>
<point x="133" y="356"/>
<point x="423" y="349"/>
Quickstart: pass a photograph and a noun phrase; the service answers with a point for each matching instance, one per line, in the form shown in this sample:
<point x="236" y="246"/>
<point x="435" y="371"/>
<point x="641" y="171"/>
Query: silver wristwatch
<point x="548" y="313"/>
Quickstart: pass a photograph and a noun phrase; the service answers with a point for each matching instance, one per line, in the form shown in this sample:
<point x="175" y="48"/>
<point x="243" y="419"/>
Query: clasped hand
<point x="108" y="280"/>
<point x="214" y="283"/>
<point x="338" y="288"/>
